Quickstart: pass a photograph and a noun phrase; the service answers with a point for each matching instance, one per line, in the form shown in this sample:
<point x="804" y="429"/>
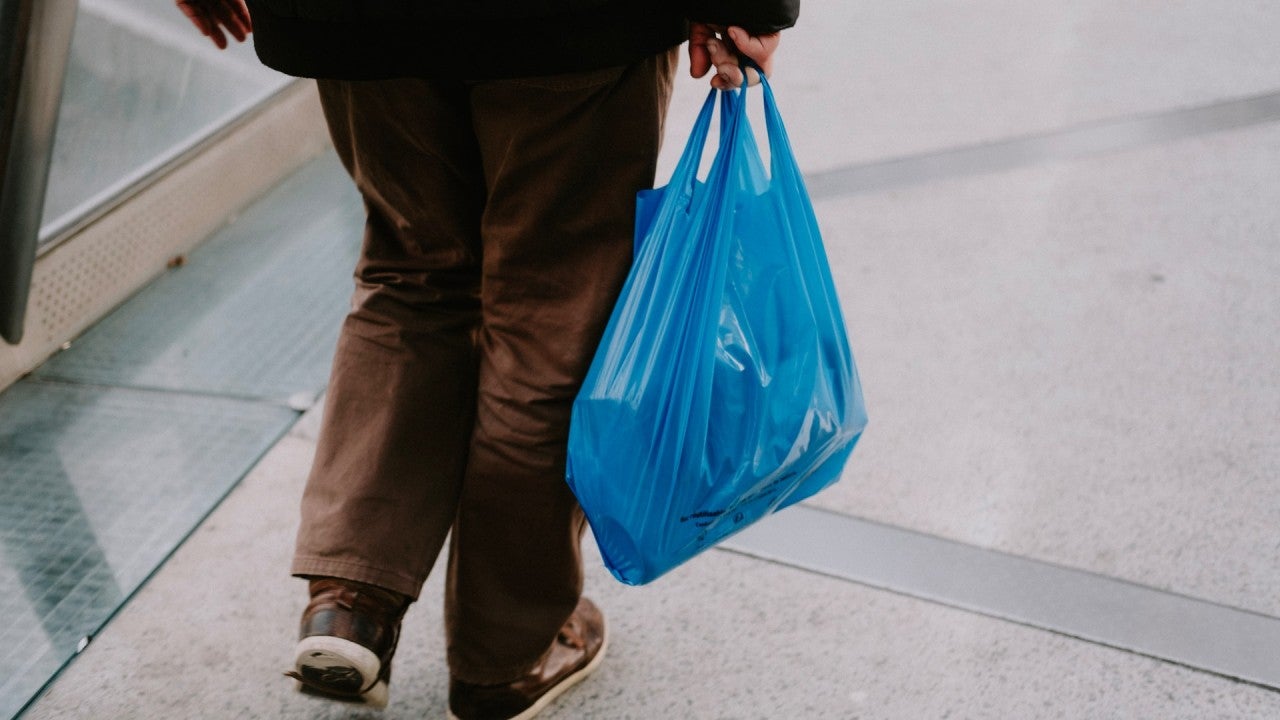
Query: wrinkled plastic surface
<point x="724" y="388"/>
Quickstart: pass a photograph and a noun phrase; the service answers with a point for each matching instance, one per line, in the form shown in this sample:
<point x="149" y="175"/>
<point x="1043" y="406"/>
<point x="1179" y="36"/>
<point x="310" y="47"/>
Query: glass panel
<point x="99" y="486"/>
<point x="142" y="86"/>
<point x="113" y="452"/>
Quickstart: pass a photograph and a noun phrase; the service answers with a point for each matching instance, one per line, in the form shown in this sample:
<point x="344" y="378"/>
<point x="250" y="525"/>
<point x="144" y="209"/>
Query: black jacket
<point x="485" y="39"/>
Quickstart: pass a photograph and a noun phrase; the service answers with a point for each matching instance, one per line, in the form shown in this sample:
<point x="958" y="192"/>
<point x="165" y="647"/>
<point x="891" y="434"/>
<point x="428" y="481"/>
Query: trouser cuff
<point x="306" y="566"/>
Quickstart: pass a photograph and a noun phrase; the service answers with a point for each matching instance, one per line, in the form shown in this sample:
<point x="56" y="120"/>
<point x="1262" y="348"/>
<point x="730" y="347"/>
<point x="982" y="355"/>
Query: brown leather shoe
<point x="347" y="637"/>
<point x="576" y="652"/>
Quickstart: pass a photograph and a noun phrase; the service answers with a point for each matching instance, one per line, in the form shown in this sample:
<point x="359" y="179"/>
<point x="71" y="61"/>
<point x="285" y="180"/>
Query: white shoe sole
<point x="351" y="670"/>
<point x="564" y="685"/>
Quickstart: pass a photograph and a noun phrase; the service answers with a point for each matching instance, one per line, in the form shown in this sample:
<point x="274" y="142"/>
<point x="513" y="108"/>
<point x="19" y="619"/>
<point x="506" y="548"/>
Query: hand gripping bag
<point x="723" y="388"/>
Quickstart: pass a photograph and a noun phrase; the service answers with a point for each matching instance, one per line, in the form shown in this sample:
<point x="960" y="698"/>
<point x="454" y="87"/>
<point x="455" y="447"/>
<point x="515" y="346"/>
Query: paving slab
<point x="1076" y="362"/>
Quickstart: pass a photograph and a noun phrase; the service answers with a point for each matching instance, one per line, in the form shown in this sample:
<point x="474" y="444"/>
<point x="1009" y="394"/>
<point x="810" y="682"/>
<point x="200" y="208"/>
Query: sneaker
<point x="576" y="652"/>
<point x="347" y="636"/>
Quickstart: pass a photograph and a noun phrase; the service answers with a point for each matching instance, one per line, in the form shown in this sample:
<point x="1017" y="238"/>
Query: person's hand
<point x="211" y="17"/>
<point x="712" y="46"/>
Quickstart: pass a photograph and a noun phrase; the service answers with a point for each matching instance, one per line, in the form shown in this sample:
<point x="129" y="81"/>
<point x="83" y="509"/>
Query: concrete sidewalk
<point x="722" y="637"/>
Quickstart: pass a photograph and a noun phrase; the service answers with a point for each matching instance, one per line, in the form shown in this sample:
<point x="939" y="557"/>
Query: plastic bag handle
<point x="777" y="133"/>
<point x="782" y="164"/>
<point x="745" y="62"/>
<point x="686" y="172"/>
<point x="732" y="102"/>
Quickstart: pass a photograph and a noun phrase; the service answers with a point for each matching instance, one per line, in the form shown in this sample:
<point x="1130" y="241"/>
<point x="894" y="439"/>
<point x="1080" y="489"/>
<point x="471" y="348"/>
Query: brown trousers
<point x="499" y="233"/>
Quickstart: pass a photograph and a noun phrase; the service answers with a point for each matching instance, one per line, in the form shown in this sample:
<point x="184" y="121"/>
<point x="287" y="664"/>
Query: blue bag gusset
<point x="724" y="388"/>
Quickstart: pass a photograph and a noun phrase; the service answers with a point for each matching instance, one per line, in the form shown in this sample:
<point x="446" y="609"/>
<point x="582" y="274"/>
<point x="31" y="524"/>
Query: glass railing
<point x="140" y="89"/>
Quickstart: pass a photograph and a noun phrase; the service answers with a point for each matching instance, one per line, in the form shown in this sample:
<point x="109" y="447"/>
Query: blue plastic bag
<point x="724" y="388"/>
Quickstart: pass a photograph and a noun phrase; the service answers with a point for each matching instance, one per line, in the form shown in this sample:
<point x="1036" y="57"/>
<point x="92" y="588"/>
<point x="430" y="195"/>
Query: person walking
<point x="498" y="146"/>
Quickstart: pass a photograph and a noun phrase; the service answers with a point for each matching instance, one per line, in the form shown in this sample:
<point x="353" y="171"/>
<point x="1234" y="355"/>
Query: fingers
<point x="194" y="14"/>
<point x="699" y="57"/>
<point x="759" y="48"/>
<point x="728" y="73"/>
<point x="713" y="47"/>
<point x="242" y="14"/>
<point x="233" y="15"/>
<point x="200" y="17"/>
<point x="211" y="16"/>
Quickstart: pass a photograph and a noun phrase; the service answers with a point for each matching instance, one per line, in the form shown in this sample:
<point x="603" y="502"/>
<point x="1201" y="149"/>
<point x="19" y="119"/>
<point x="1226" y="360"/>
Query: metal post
<point x="35" y="40"/>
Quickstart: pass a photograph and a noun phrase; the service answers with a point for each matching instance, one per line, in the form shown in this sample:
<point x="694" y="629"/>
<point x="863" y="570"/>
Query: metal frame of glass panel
<point x="32" y="89"/>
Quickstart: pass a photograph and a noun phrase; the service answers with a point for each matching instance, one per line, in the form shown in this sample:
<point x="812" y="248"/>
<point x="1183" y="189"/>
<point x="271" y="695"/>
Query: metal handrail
<point x="35" y="41"/>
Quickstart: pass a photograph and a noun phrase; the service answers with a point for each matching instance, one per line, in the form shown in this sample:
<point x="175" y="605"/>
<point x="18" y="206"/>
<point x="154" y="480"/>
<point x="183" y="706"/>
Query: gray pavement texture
<point x="1077" y="362"/>
<point x="1073" y="361"/>
<point x="722" y="637"/>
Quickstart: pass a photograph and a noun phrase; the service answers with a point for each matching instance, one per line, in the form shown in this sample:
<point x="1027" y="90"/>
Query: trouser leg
<point x="392" y="452"/>
<point x="563" y="158"/>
